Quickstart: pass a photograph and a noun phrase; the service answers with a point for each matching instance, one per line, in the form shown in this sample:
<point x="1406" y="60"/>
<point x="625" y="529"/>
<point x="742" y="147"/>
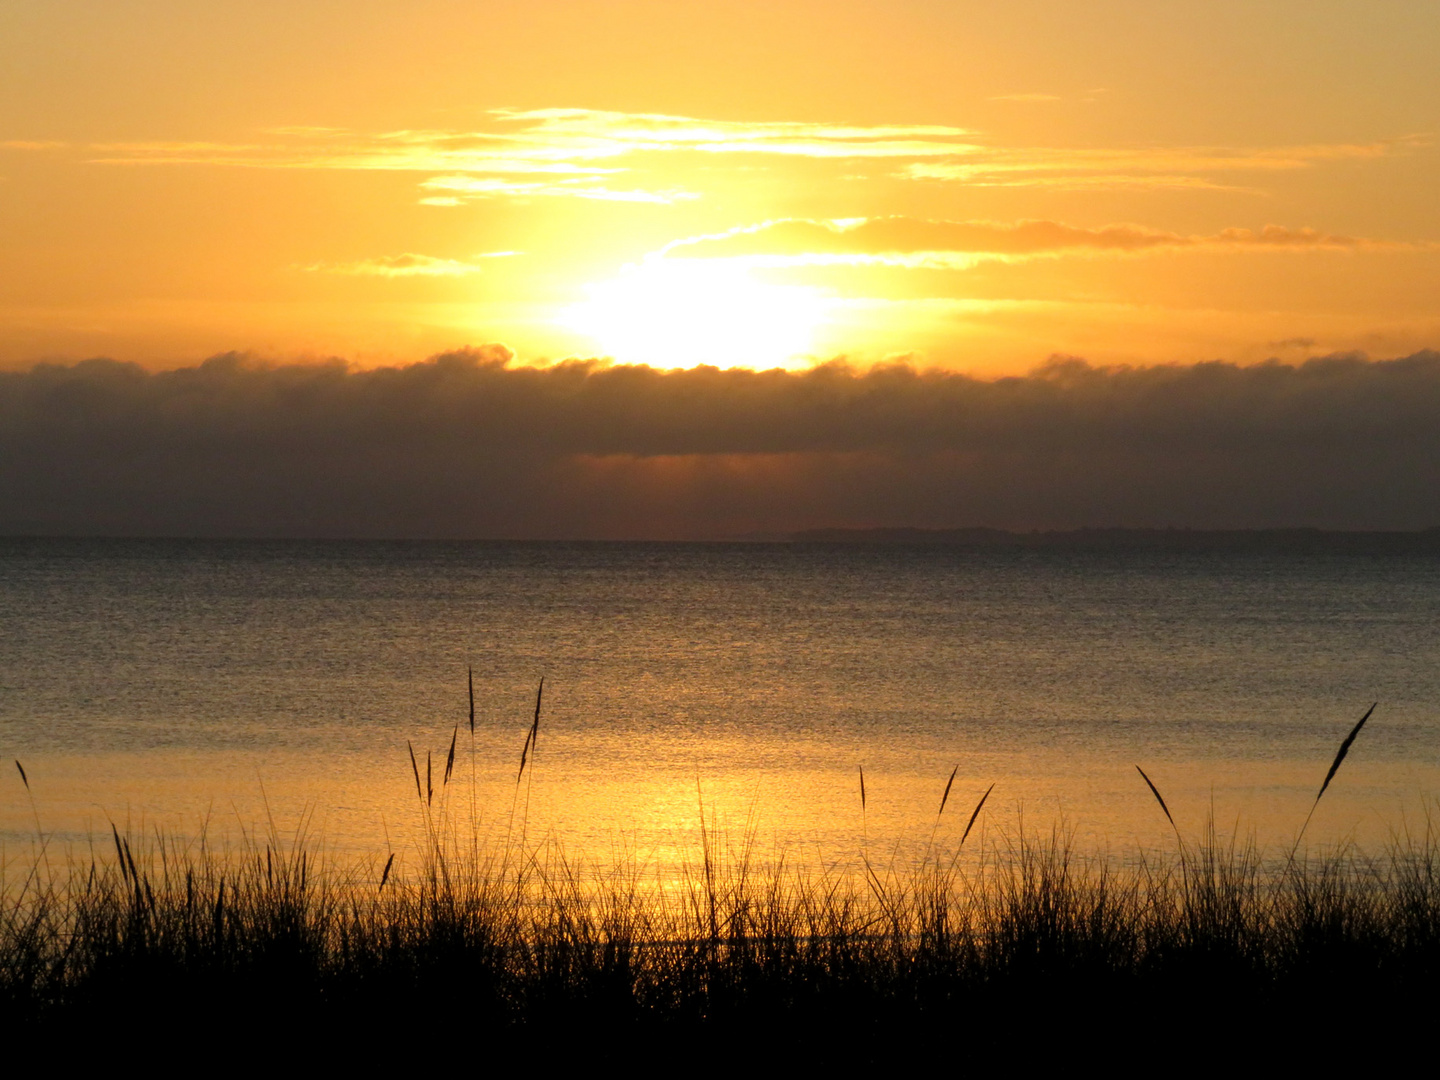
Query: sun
<point x="682" y="312"/>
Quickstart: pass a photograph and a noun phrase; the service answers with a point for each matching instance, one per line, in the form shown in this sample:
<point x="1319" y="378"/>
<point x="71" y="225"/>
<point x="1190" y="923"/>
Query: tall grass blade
<point x="385" y="874"/>
<point x="23" y="778"/>
<point x="1344" y="749"/>
<point x="119" y="851"/>
<point x="978" y="806"/>
<point x="1158" y="798"/>
<point x="533" y="733"/>
<point x="134" y="874"/>
<point x="450" y="758"/>
<point x="414" y="768"/>
<point x="862" y="787"/>
<point x="1334" y="768"/>
<point x="429" y="788"/>
<point x="946" y="797"/>
<point x="470" y="679"/>
<point x="524" y="753"/>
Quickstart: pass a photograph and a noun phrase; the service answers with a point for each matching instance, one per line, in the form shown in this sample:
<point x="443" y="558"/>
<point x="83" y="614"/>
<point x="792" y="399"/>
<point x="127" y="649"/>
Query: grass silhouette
<point x="1030" y="948"/>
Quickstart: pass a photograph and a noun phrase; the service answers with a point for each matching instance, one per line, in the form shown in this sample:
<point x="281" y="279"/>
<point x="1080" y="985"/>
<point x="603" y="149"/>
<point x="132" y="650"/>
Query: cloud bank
<point x="468" y="445"/>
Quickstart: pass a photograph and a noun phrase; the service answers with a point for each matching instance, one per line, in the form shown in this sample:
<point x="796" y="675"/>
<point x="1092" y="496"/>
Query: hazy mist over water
<point x="159" y="681"/>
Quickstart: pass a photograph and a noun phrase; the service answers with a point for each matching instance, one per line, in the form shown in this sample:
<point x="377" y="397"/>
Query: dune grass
<point x="1025" y="947"/>
<point x="524" y="944"/>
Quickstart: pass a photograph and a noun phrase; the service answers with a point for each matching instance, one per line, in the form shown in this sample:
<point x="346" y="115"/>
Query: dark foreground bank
<point x="1033" y="954"/>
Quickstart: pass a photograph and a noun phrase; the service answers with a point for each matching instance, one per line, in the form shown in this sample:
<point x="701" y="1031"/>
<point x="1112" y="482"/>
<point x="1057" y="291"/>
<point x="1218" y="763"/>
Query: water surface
<point x="163" y="681"/>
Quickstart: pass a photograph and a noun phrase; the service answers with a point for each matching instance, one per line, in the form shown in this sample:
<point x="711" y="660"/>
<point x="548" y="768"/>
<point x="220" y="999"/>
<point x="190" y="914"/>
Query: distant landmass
<point x="1320" y="540"/>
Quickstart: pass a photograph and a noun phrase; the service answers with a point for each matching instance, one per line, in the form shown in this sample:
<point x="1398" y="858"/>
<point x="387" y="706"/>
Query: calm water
<point x="161" y="682"/>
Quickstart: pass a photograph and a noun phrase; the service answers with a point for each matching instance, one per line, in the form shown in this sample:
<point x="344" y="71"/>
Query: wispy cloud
<point x="545" y="141"/>
<point x="407" y="265"/>
<point x="616" y="133"/>
<point x="906" y="241"/>
<point x="467" y="165"/>
<point x="989" y="166"/>
<point x="476" y="187"/>
<point x="578" y="153"/>
<point x="1085" y="182"/>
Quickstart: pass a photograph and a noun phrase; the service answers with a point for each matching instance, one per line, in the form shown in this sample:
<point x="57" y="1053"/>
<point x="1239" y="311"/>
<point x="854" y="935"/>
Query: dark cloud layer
<point x="465" y="445"/>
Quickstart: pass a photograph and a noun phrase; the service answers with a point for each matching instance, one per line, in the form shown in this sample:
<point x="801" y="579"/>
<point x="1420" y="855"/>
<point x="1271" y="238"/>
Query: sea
<point x="815" y="701"/>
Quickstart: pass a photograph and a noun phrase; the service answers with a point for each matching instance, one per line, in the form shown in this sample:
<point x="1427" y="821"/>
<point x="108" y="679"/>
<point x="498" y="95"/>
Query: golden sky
<point x="976" y="186"/>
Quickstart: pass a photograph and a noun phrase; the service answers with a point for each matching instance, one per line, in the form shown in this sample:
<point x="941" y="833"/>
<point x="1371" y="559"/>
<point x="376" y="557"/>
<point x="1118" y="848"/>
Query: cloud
<point x="468" y="444"/>
<point x="571" y="187"/>
<point x="407" y="265"/>
<point x="577" y="153"/>
<point x="574" y="142"/>
<point x="1140" y="167"/>
<point x="616" y="133"/>
<point x="907" y="241"/>
<point x="580" y="142"/>
<point x="1079" y="182"/>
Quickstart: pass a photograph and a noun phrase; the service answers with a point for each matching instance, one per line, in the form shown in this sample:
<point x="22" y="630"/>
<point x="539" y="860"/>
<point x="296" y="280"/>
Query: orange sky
<point x="978" y="186"/>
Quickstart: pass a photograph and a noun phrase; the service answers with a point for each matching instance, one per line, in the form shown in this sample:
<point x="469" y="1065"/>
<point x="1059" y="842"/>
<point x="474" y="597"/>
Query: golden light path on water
<point x="649" y="818"/>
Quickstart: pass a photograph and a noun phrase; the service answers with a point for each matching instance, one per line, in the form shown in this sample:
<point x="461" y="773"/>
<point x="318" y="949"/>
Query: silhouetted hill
<point x="1424" y="541"/>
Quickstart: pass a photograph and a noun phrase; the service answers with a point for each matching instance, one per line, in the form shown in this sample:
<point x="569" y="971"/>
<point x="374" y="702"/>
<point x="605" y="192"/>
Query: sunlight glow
<point x="683" y="312"/>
